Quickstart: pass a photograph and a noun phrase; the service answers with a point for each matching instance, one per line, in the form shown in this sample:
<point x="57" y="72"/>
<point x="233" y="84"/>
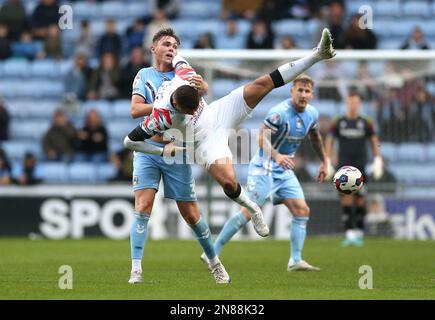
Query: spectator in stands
<point x="231" y="39"/>
<point x="4" y="122"/>
<point x="45" y="14"/>
<point x="158" y="22"/>
<point x="246" y="9"/>
<point x="205" y="41"/>
<point x="137" y="61"/>
<point x="85" y="41"/>
<point x="110" y="41"/>
<point x="78" y="78"/>
<point x="415" y="41"/>
<point x="60" y="141"/>
<point x="135" y="34"/>
<point x="261" y="36"/>
<point x="123" y="162"/>
<point x="388" y="110"/>
<point x="287" y="43"/>
<point x="13" y="16"/>
<point x="5" y="44"/>
<point x="421" y="117"/>
<point x="5" y="169"/>
<point x="53" y="44"/>
<point x="27" y="174"/>
<point x="357" y="38"/>
<point x="105" y="80"/>
<point x="92" y="139"/>
<point x="335" y="23"/>
<point x="26" y="47"/>
<point x="272" y="10"/>
<point x="169" y="7"/>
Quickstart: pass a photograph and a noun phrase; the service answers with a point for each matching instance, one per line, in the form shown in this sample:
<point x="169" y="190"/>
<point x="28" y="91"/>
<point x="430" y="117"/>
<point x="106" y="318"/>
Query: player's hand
<point x="170" y="150"/>
<point x="198" y="82"/>
<point x="323" y="172"/>
<point x="378" y="168"/>
<point x="285" y="161"/>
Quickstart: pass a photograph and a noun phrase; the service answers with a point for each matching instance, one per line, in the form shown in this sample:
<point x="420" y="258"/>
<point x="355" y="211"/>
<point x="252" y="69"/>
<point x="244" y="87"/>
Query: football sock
<point x="289" y="71"/>
<point x="241" y="198"/>
<point x="202" y="234"/>
<point x="138" y="237"/>
<point x="297" y="237"/>
<point x="347" y="217"/>
<point x="360" y="212"/>
<point x="229" y="230"/>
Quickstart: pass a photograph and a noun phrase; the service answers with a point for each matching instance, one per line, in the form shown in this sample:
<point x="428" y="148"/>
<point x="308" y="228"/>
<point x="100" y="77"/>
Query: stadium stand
<point x="33" y="90"/>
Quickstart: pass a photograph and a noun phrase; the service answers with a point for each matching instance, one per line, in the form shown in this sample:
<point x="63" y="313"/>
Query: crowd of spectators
<point x="404" y="113"/>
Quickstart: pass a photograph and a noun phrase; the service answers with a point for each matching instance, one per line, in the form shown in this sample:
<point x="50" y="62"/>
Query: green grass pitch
<point x="173" y="270"/>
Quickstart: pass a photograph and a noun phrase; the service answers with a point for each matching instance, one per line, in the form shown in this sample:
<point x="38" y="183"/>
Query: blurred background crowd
<point x="65" y="93"/>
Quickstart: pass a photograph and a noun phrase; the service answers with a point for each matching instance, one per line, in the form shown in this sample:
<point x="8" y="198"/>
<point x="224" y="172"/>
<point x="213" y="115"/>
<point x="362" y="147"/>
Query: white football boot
<point x="206" y="262"/>
<point x="301" y="266"/>
<point x="258" y="222"/>
<point x="135" y="277"/>
<point x="220" y="274"/>
<point x="324" y="49"/>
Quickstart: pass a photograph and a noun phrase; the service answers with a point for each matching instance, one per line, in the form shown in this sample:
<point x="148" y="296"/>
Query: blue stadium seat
<point x="199" y="10"/>
<point x="222" y="87"/>
<point x="104" y="108"/>
<point x="115" y="144"/>
<point x="119" y="129"/>
<point x="289" y="26"/>
<point x="105" y="171"/>
<point x="25" y="108"/>
<point x="44" y="68"/>
<point x="386" y="8"/>
<point x="389" y="152"/>
<point x="28" y="129"/>
<point x="16" y="149"/>
<point x="50" y="88"/>
<point x="352" y="7"/>
<point x="411" y="152"/>
<point x="416" y="8"/>
<point x="85" y="10"/>
<point x="82" y="172"/>
<point x="431" y="152"/>
<point x="53" y="171"/>
<point x="121" y="109"/>
<point x="326" y="107"/>
<point x="16" y="68"/>
<point x="428" y="28"/>
<point x="113" y="9"/>
<point x="137" y="9"/>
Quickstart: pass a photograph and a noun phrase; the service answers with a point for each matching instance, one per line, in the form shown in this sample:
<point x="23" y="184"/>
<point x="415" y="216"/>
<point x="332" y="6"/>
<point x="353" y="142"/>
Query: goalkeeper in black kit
<point x="352" y="131"/>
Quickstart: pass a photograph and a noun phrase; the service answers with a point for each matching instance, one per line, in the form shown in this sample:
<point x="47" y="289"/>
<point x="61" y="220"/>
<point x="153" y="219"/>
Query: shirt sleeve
<point x="315" y="123"/>
<point x="143" y="88"/>
<point x="273" y="120"/>
<point x="159" y="121"/>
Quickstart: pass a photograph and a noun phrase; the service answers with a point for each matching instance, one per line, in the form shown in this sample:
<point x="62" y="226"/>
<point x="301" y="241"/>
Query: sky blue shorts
<point x="178" y="180"/>
<point x="260" y="187"/>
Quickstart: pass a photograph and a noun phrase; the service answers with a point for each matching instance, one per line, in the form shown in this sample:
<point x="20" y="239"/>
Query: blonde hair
<point x="304" y="79"/>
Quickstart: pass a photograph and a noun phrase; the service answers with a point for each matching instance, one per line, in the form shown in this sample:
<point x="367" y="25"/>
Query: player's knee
<point x="229" y="184"/>
<point x="144" y="206"/>
<point x="301" y="211"/>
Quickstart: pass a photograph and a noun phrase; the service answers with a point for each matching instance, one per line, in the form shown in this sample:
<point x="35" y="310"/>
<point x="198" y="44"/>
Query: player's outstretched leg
<point x="223" y="172"/>
<point x="138" y="237"/>
<point x="255" y="91"/>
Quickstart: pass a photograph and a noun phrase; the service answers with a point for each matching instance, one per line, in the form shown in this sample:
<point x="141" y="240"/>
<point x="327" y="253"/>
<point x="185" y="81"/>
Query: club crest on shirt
<point x="299" y="125"/>
<point x="135" y="180"/>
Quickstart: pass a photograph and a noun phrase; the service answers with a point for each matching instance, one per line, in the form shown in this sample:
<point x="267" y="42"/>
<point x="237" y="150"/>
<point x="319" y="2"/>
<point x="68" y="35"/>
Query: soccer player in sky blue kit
<point x="270" y="171"/>
<point x="148" y="169"/>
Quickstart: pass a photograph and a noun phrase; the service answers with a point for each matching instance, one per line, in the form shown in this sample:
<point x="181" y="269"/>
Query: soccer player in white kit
<point x="178" y="105"/>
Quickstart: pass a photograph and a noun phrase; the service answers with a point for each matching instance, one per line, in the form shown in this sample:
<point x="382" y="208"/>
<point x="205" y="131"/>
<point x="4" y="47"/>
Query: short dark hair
<point x="187" y="99"/>
<point x="354" y="93"/>
<point x="166" y="32"/>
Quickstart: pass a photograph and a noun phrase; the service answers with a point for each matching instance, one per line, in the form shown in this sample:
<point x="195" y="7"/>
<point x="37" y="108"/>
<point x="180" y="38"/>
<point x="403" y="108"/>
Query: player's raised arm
<point x="159" y="121"/>
<point x="186" y="72"/>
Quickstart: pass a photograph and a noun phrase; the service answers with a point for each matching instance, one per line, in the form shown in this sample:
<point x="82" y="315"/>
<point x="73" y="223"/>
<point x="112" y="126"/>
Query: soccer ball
<point x="348" y="179"/>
